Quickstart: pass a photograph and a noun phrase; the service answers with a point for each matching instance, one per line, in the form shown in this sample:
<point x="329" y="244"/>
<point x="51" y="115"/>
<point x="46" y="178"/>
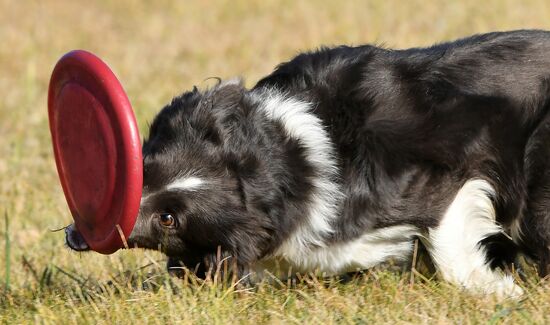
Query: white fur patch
<point x="371" y="249"/>
<point x="187" y="183"/>
<point x="307" y="128"/>
<point x="454" y="244"/>
<point x="190" y="183"/>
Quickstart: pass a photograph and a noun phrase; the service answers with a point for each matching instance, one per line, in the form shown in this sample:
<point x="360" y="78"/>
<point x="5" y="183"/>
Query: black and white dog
<point x="341" y="157"/>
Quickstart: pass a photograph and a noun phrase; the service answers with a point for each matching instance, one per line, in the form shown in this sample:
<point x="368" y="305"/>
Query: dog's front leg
<point x="455" y="248"/>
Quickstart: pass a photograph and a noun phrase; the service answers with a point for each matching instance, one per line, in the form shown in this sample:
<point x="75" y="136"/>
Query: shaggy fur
<point x="341" y="157"/>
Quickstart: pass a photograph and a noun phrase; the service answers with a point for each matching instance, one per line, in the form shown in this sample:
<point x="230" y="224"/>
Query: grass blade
<point x="7" y="252"/>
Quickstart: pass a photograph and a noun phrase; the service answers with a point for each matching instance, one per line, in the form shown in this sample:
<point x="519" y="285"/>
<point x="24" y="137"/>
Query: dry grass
<point x="157" y="49"/>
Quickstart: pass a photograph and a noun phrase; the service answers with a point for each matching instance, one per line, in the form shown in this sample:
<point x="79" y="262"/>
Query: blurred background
<point x="160" y="48"/>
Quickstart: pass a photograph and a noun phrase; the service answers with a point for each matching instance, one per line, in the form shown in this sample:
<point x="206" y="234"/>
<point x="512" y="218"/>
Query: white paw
<point x="508" y="289"/>
<point x="503" y="288"/>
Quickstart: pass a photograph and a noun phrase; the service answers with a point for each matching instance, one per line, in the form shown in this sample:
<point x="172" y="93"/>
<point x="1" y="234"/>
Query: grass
<point x="7" y="257"/>
<point x="158" y="49"/>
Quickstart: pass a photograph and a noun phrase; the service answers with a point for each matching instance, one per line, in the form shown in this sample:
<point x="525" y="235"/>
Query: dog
<point x="342" y="157"/>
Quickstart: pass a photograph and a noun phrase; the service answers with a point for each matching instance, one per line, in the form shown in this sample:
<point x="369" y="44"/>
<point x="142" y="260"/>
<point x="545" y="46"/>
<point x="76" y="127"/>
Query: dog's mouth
<point x="74" y="239"/>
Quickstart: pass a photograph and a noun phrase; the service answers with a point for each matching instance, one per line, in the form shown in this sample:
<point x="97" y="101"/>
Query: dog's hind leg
<point x="455" y="245"/>
<point x="532" y="230"/>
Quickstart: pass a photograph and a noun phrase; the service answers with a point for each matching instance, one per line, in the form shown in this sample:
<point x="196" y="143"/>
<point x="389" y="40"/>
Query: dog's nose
<point x="75" y="240"/>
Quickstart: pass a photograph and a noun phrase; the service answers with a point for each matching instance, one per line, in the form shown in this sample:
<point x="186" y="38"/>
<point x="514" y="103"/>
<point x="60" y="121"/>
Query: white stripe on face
<point x="191" y="183"/>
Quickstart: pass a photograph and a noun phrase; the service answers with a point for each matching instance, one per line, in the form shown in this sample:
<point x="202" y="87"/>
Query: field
<point x="158" y="49"/>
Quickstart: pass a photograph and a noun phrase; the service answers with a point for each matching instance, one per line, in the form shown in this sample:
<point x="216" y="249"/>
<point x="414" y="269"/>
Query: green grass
<point x="158" y="49"/>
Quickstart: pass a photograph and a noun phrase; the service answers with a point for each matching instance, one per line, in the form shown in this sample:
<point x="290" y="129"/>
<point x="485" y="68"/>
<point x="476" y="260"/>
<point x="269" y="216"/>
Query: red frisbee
<point x="97" y="149"/>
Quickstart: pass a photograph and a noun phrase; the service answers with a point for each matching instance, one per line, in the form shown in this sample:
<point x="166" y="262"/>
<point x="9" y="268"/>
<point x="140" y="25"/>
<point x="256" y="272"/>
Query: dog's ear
<point x="249" y="242"/>
<point x="228" y="94"/>
<point x="220" y="111"/>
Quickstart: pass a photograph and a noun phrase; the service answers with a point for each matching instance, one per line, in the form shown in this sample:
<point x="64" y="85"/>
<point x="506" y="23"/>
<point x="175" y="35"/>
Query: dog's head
<point x="197" y="165"/>
<point x="215" y="175"/>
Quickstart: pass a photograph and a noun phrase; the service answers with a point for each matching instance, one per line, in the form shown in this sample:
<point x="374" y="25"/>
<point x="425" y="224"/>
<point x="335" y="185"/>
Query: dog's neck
<point x="311" y="192"/>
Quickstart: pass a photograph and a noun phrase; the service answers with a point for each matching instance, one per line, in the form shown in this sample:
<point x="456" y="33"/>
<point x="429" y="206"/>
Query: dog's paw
<point x="502" y="288"/>
<point x="506" y="288"/>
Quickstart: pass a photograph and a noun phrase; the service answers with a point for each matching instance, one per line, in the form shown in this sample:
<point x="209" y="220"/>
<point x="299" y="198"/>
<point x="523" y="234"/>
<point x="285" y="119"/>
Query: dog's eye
<point x="167" y="220"/>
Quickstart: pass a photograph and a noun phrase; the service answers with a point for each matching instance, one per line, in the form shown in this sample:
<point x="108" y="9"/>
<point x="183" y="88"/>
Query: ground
<point x="157" y="49"/>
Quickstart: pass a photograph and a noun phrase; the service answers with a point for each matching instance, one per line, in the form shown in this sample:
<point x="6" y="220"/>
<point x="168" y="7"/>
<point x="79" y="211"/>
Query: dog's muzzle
<point x="75" y="240"/>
